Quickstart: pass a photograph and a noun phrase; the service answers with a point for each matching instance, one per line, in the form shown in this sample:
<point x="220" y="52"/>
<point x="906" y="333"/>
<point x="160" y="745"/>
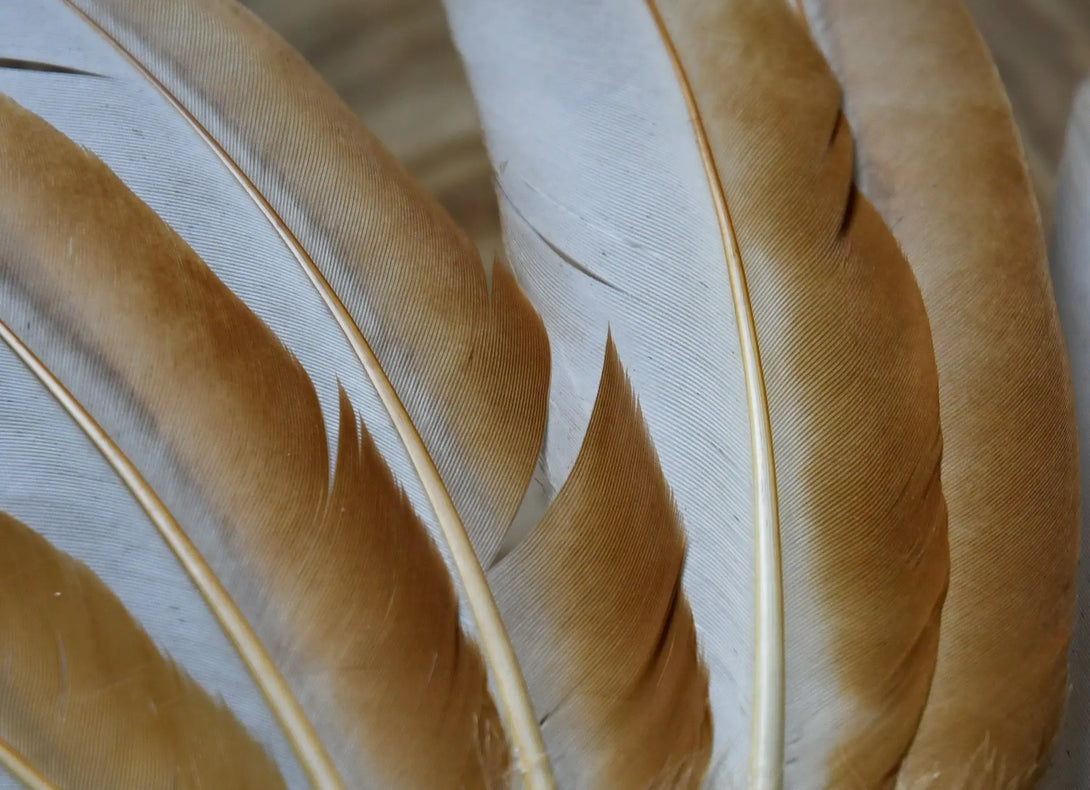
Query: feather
<point x="940" y="157"/>
<point x="277" y="129"/>
<point x="774" y="334"/>
<point x="314" y="227"/>
<point x="604" y="566"/>
<point x="86" y="700"/>
<point x="1070" y="252"/>
<point x="364" y="622"/>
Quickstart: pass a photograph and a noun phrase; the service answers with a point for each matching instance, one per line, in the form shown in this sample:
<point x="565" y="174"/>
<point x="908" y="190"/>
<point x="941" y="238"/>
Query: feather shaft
<point x="22" y="770"/>
<point x="766" y="746"/>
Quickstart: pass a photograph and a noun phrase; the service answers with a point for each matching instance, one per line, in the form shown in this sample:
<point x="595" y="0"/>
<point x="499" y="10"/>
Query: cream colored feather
<point x="371" y="285"/>
<point x="87" y="701"/>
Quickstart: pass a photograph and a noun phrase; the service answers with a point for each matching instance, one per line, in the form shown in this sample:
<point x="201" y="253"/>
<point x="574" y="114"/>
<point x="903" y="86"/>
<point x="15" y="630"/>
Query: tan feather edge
<point x="285" y="707"/>
<point x="767" y="734"/>
<point x="21" y="769"/>
<point x="528" y="746"/>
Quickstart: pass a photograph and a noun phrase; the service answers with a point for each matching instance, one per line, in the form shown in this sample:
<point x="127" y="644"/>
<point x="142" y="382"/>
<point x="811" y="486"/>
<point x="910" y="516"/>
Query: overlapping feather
<point x="86" y="700"/>
<point x="940" y="157"/>
<point x="459" y="370"/>
<point x="682" y="173"/>
<point x="336" y="575"/>
<point x="777" y="339"/>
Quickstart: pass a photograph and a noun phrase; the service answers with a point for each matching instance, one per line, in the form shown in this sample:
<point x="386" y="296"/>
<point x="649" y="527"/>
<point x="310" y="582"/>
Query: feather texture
<point x="286" y="137"/>
<point x="364" y="625"/>
<point x="87" y="701"/>
<point x="683" y="173"/>
<point x="940" y="157"/>
<point x="603" y="568"/>
<point x="365" y="279"/>
<point x="1070" y="769"/>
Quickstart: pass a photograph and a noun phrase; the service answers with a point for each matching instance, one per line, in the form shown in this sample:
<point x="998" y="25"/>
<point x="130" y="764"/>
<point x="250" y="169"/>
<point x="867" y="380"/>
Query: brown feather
<point x="940" y="157"/>
<point x="337" y="575"/>
<point x="594" y="604"/>
<point x="846" y="362"/>
<point x="86" y="698"/>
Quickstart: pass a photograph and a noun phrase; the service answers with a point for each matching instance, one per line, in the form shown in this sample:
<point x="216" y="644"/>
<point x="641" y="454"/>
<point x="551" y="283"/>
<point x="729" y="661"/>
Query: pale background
<point x="393" y="62"/>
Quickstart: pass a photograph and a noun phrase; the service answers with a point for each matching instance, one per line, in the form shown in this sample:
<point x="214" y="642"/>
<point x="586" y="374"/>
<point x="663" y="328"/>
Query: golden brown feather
<point x="940" y="157"/>
<point x="846" y="360"/>
<point x="337" y="576"/>
<point x="88" y="700"/>
<point x="593" y="601"/>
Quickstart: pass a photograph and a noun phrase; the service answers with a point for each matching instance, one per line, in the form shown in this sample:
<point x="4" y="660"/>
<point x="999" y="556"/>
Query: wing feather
<point x="337" y="576"/>
<point x="940" y="157"/>
<point x="683" y="175"/>
<point x="86" y="700"/>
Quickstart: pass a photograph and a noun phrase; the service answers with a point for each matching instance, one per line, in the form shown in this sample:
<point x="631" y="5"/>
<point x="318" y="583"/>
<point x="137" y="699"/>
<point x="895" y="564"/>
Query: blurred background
<point x="394" y="63"/>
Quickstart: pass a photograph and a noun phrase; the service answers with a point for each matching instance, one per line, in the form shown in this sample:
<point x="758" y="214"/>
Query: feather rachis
<point x="767" y="741"/>
<point x="88" y="698"/>
<point x="20" y="769"/>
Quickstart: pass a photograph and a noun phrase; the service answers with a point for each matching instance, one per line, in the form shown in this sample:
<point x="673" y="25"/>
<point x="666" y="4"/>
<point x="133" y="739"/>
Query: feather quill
<point x="682" y="173"/>
<point x="87" y="700"/>
<point x="460" y="368"/>
<point x="338" y="578"/>
<point x="940" y="157"/>
<point x="1070" y="252"/>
